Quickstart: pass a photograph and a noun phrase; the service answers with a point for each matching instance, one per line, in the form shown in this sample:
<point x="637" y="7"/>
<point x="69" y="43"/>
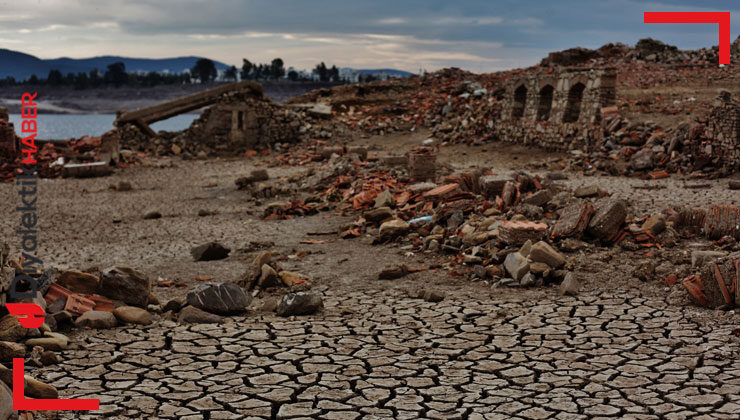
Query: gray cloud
<point x="480" y="35"/>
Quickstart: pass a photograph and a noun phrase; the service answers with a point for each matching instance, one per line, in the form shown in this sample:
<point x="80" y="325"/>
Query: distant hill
<point x="21" y="66"/>
<point x="392" y="72"/>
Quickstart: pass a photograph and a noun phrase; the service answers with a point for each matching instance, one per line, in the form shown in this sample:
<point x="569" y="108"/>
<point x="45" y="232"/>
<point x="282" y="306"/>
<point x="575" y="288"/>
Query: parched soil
<point x="621" y="348"/>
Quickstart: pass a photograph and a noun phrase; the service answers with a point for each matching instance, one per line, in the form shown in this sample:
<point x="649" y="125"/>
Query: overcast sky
<point x="478" y="35"/>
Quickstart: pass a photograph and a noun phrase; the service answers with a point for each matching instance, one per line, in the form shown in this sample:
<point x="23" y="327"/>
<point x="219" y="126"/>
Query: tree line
<point x="203" y="71"/>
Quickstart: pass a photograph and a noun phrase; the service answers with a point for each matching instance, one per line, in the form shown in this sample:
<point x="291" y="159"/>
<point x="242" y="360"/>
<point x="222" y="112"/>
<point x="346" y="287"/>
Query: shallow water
<point x="66" y="126"/>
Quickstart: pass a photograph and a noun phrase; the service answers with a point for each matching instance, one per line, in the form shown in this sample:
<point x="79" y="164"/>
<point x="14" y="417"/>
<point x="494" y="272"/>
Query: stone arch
<point x="573" y="108"/>
<point x="520" y="103"/>
<point x="545" y="103"/>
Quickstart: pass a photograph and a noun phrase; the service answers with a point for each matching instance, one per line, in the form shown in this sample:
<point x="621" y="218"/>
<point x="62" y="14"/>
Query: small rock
<point x="384" y="199"/>
<point x="173" y="305"/>
<point x="656" y="224"/>
<point x="526" y="248"/>
<point x="6" y="402"/>
<point x="220" y="298"/>
<point x="517" y="265"/>
<point x="96" y="320"/>
<point x="49" y="358"/>
<point x="393" y="272"/>
<point x="392" y="228"/>
<point x="570" y="285"/>
<point x="79" y="282"/>
<point x="152" y="215"/>
<point x="586" y="191"/>
<point x="301" y="303"/>
<point x="11" y="329"/>
<point x="126" y="284"/>
<point x="37" y="389"/>
<point x="50" y="341"/>
<point x="209" y="252"/>
<point x="378" y="215"/>
<point x="132" y="315"/>
<point x="9" y="350"/>
<point x="701" y="258"/>
<point x="290" y="278"/>
<point x="193" y="315"/>
<point x="268" y="277"/>
<point x="543" y="252"/>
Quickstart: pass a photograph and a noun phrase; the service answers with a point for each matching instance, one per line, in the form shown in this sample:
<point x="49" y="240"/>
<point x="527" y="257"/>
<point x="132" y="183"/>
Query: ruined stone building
<point x="723" y="133"/>
<point x="9" y="142"/>
<point x="557" y="111"/>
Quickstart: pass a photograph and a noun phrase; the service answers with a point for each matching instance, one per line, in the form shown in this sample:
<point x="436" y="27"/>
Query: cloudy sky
<point x="478" y="35"/>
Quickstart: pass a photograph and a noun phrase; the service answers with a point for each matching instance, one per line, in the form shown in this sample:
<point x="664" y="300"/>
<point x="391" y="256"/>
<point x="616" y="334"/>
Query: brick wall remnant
<point x="557" y="110"/>
<point x="723" y="133"/>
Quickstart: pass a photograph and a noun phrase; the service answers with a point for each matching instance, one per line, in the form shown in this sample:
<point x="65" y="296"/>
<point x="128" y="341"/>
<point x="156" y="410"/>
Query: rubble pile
<point x="237" y="123"/>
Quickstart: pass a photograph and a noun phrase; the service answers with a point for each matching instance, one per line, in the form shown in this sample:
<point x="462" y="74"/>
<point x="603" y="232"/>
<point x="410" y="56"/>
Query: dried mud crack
<point x="595" y="356"/>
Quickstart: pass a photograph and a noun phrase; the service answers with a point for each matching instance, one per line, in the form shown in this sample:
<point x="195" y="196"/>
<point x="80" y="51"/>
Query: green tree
<point x="54" y="78"/>
<point x="33" y="80"/>
<point x="95" y="79"/>
<point x="82" y="81"/>
<point x="116" y="74"/>
<point x="230" y="73"/>
<point x="293" y="75"/>
<point x="322" y="72"/>
<point x="247" y="68"/>
<point x="277" y="68"/>
<point x="204" y="70"/>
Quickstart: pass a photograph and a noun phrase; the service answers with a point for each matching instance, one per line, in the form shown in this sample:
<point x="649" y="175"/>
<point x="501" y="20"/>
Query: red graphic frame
<point x="722" y="18"/>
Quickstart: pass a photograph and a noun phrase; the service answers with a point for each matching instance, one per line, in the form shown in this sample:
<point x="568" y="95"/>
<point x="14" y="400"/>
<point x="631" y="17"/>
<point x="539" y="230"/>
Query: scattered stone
<point x="608" y="217"/>
<point x="701" y="258"/>
<point x="526" y="248"/>
<point x="49" y="358"/>
<point x="257" y="175"/>
<point x="392" y="228"/>
<point x="301" y="303"/>
<point x="656" y="224"/>
<point x="573" y="221"/>
<point x="209" y="252"/>
<point x="539" y="198"/>
<point x="172" y="305"/>
<point x="6" y="402"/>
<point x="220" y="298"/>
<point x="734" y="184"/>
<point x="50" y="341"/>
<point x="642" y="160"/>
<point x="517" y="265"/>
<point x="98" y="320"/>
<point x="571" y="245"/>
<point x="538" y="268"/>
<point x="37" y="389"/>
<point x="9" y="350"/>
<point x="586" y="191"/>
<point x="290" y="278"/>
<point x="384" y="199"/>
<point x="491" y="186"/>
<point x="152" y="215"/>
<point x="268" y="277"/>
<point x="378" y="215"/>
<point x="570" y="285"/>
<point x="392" y="272"/>
<point x="518" y="232"/>
<point x="79" y="282"/>
<point x="193" y="315"/>
<point x="126" y="284"/>
<point x="11" y="329"/>
<point x="427" y="295"/>
<point x="543" y="252"/>
<point x="132" y="315"/>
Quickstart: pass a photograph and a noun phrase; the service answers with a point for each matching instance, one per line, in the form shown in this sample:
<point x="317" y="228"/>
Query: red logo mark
<point x="29" y="315"/>
<point x="21" y="403"/>
<point x="722" y="18"/>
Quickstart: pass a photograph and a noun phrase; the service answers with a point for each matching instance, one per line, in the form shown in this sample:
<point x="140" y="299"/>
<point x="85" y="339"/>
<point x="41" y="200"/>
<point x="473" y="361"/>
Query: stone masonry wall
<point x="9" y="147"/>
<point x="557" y="111"/>
<point x="723" y="132"/>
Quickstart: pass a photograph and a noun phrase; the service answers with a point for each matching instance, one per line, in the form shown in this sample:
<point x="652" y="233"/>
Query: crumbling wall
<point x="723" y="133"/>
<point x="9" y="142"/>
<point x="556" y="111"/>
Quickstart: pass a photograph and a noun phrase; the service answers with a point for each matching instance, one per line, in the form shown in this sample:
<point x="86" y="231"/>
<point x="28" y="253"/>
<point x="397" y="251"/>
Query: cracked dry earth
<point x="594" y="356"/>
